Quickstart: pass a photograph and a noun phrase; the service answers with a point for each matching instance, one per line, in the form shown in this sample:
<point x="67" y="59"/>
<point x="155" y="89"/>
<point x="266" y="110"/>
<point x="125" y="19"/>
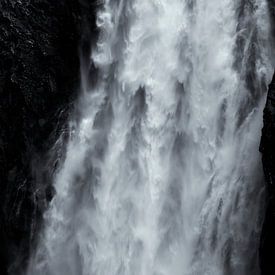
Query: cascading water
<point x="162" y="174"/>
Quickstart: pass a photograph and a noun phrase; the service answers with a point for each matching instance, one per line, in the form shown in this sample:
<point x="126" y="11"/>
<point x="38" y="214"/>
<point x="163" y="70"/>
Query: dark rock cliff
<point x="267" y="149"/>
<point x="39" y="78"/>
<point x="268" y="157"/>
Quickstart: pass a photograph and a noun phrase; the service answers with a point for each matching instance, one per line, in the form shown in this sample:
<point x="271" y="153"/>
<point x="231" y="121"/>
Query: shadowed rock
<point x="39" y="77"/>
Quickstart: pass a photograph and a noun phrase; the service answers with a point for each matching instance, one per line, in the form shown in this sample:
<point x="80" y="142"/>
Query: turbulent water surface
<point x="162" y="174"/>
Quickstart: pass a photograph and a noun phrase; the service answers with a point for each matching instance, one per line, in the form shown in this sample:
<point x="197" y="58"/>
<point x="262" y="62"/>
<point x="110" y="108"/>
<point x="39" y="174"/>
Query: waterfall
<point x="162" y="174"/>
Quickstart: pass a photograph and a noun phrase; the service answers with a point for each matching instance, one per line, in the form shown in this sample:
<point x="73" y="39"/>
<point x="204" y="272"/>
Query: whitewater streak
<point x="162" y="174"/>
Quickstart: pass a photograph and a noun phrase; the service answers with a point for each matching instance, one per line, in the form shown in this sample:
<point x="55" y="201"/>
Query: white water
<point x="162" y="174"/>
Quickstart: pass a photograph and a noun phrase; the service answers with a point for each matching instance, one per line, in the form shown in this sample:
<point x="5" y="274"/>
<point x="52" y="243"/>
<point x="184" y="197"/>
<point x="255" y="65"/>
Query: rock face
<point x="39" y="78"/>
<point x="268" y="156"/>
<point x="267" y="149"/>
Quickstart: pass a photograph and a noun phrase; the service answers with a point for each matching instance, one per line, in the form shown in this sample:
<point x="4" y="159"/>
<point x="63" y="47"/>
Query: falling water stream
<point x="162" y="174"/>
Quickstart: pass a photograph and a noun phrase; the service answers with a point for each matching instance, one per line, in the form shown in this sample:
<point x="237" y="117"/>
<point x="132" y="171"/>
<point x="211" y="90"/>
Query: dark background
<point x="40" y="42"/>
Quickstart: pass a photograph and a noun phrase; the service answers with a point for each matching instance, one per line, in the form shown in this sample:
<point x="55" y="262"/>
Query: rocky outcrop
<point x="267" y="149"/>
<point x="39" y="78"/>
<point x="268" y="157"/>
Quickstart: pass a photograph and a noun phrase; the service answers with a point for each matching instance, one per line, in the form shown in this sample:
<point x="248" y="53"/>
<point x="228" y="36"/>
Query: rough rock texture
<point x="39" y="78"/>
<point x="268" y="157"/>
<point x="267" y="149"/>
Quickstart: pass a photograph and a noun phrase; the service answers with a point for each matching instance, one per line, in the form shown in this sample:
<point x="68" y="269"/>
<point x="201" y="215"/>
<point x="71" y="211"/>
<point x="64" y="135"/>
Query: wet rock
<point x="40" y="43"/>
<point x="267" y="148"/>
